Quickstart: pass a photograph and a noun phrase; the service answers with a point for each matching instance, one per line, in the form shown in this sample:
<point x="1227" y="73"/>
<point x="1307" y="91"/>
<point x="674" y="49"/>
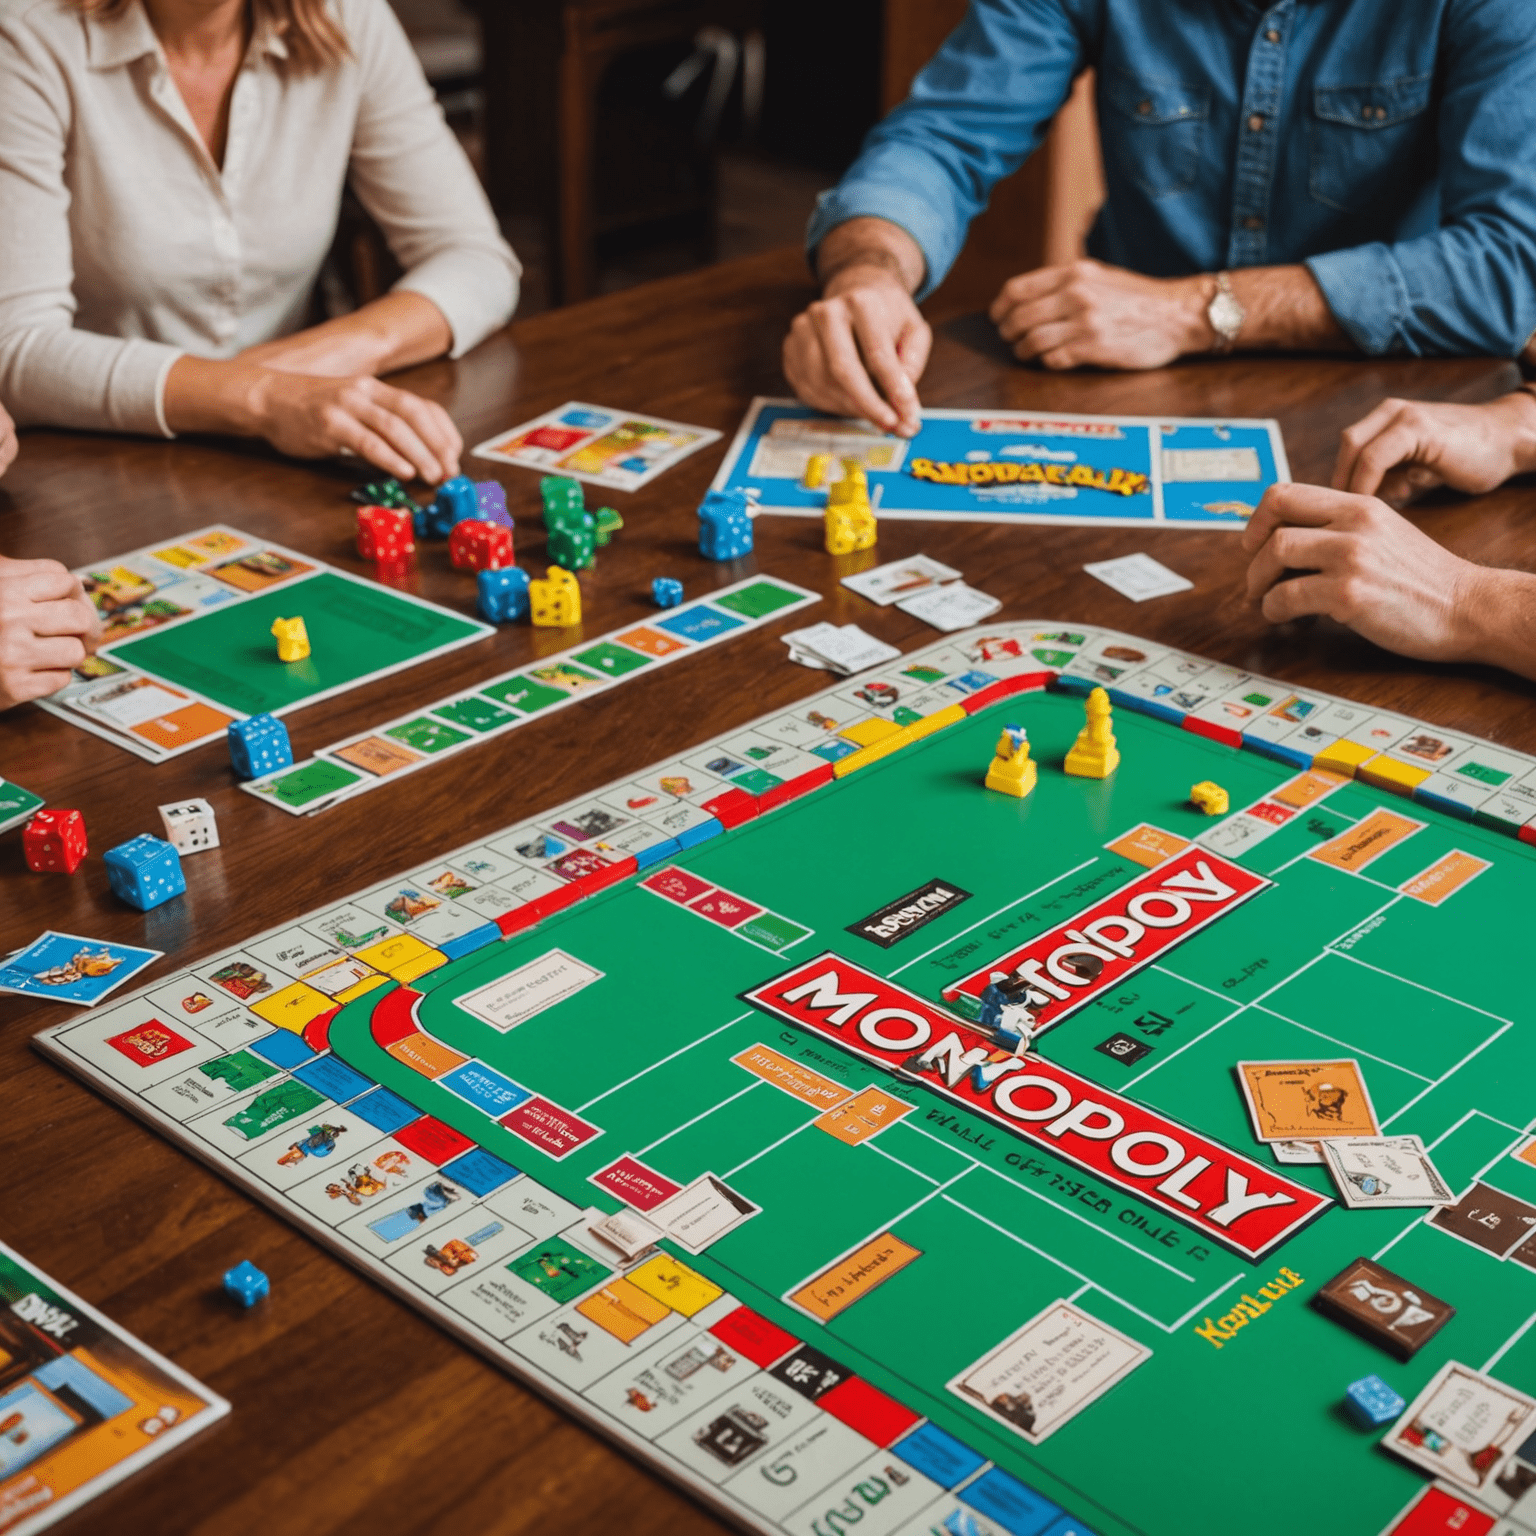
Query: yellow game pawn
<point x="555" y="602"/>
<point x="1094" y="754"/>
<point x="816" y="468"/>
<point x="1012" y="770"/>
<point x="1209" y="797"/>
<point x="853" y="487"/>
<point x="292" y="639"/>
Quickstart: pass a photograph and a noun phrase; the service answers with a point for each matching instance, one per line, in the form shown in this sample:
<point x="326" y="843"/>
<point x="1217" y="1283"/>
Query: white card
<point x="1384" y="1170"/>
<point x="1138" y="577"/>
<point x="889" y="583"/>
<point x="956" y="606"/>
<point x="846" y="648"/>
<point x="1462" y="1427"/>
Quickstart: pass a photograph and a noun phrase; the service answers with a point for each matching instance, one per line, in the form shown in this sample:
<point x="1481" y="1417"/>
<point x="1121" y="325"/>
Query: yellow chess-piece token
<point x="816" y="468"/>
<point x="1094" y="754"/>
<point x="555" y="602"/>
<point x="1012" y="770"/>
<point x="1209" y="797"/>
<point x="292" y="639"/>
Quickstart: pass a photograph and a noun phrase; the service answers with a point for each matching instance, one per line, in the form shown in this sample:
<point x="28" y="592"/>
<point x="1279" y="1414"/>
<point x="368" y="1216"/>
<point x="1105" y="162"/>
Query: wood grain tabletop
<point x="351" y="1412"/>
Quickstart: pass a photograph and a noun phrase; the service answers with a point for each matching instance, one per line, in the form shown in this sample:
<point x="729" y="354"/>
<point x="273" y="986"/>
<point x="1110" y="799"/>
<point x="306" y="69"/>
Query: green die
<point x="570" y="547"/>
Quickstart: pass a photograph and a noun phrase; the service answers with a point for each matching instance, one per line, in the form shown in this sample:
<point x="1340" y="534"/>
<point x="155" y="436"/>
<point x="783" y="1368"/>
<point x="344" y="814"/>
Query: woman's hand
<point x="47" y="626"/>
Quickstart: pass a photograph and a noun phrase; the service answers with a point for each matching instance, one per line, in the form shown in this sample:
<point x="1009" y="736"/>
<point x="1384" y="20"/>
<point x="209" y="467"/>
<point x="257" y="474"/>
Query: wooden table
<point x="353" y="1413"/>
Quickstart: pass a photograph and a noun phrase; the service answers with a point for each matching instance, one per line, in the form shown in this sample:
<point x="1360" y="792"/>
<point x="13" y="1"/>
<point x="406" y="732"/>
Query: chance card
<point x="64" y="968"/>
<point x="1384" y="1170"/>
<point x="1051" y="1369"/>
<point x="1488" y="1219"/>
<point x="619" y="449"/>
<point x="889" y="583"/>
<point x="1306" y="1100"/>
<point x="1462" y="1427"/>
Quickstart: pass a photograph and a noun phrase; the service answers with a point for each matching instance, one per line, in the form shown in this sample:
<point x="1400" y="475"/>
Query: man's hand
<point x="1363" y="565"/>
<point x="1406" y="447"/>
<point x="47" y="626"/>
<point x="1085" y="313"/>
<point x="8" y="444"/>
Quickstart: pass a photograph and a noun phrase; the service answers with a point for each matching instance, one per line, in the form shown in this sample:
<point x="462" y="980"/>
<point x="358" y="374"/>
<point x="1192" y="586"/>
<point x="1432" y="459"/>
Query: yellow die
<point x="555" y="602"/>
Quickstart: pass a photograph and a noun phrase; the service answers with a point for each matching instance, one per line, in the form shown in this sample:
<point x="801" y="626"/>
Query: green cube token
<point x="758" y="600"/>
<point x="474" y="713"/>
<point x="524" y="694"/>
<point x="427" y="735"/>
<point x="772" y="931"/>
<point x="614" y="660"/>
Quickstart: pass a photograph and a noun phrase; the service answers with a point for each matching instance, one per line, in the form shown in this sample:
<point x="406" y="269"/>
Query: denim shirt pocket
<point x="1153" y="130"/>
<point x="1368" y="141"/>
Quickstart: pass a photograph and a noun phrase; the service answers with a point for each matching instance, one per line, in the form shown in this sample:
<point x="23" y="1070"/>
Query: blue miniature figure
<point x="246" y="1284"/>
<point x="1370" y="1402"/>
<point x="666" y="592"/>
<point x="145" y="871"/>
<point x="725" y="525"/>
<point x="258" y="745"/>
<point x="503" y="594"/>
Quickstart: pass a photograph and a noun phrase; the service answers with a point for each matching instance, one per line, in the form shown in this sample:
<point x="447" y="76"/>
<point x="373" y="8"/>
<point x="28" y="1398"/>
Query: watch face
<point x="1226" y="315"/>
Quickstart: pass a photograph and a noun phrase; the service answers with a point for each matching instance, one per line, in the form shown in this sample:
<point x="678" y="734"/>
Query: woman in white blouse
<point x="170" y="176"/>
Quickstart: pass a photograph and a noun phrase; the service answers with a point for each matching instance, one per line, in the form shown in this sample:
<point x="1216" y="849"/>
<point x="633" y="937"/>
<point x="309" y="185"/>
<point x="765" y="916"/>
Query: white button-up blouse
<point x="123" y="246"/>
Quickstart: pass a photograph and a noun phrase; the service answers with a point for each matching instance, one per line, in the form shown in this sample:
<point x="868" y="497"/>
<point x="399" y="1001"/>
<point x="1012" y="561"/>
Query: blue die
<point x="144" y="872"/>
<point x="666" y="593"/>
<point x="456" y="500"/>
<point x="725" y="525"/>
<point x="503" y="594"/>
<point x="258" y="745"/>
<point x="246" y="1284"/>
<point x="1370" y="1402"/>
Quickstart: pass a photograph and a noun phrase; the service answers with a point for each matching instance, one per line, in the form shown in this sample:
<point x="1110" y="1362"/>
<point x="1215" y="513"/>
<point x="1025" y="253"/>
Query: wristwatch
<point x="1225" y="314"/>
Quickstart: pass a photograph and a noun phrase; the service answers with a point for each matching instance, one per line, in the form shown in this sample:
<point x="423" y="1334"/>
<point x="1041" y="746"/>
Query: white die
<point x="190" y="826"/>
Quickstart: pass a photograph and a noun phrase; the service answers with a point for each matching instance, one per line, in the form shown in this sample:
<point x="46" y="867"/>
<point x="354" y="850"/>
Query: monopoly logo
<point x="893" y="922"/>
<point x="1241" y="1204"/>
<point x="1125" y="931"/>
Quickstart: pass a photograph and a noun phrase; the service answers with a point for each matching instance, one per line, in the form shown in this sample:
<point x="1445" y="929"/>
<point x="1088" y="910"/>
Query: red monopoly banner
<point x="1239" y="1203"/>
<point x="1125" y="931"/>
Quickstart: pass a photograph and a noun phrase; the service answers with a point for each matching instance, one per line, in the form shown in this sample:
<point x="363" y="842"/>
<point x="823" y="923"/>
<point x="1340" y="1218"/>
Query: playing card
<point x="1384" y="1170"/>
<point x="1296" y="1151"/>
<point x="956" y="606"/>
<point x="1488" y="1219"/>
<point x="889" y="583"/>
<point x="1463" y="1427"/>
<point x="1138" y="577"/>
<point x="1049" y="1370"/>
<point x="846" y="649"/>
<point x="65" y="968"/>
<point x="1306" y="1100"/>
<point x="1398" y="1314"/>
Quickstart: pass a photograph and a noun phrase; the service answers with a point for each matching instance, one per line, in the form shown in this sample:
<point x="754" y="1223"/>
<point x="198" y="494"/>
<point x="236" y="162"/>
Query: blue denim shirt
<point x="1388" y="144"/>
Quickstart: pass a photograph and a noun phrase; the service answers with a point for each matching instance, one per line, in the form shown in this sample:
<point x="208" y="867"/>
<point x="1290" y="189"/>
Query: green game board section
<point x="1239" y="1434"/>
<point x="356" y="630"/>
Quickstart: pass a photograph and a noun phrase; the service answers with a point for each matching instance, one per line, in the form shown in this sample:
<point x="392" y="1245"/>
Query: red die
<point x="384" y="533"/>
<point x="54" y="842"/>
<point x="474" y="545"/>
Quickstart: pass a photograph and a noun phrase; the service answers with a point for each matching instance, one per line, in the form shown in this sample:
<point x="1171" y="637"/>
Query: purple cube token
<point x="491" y="497"/>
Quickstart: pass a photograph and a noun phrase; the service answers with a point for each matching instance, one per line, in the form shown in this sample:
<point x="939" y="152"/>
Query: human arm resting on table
<point x="1368" y="567"/>
<point x="888" y="232"/>
<point x="47" y="626"/>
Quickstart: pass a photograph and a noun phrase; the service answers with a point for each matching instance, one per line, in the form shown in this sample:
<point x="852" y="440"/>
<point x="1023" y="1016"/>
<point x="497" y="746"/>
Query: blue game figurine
<point x="725" y="525"/>
<point x="666" y="592"/>
<point x="259" y="745"/>
<point x="145" y="871"/>
<point x="1370" y="1402"/>
<point x="503" y="594"/>
<point x="246" y="1284"/>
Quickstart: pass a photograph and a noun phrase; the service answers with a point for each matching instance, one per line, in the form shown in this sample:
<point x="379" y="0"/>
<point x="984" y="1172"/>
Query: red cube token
<point x="384" y="532"/>
<point x="54" y="842"/>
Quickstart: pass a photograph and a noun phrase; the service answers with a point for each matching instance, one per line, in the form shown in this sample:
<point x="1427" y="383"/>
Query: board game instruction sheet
<point x="1017" y="466"/>
<point x="82" y="1403"/>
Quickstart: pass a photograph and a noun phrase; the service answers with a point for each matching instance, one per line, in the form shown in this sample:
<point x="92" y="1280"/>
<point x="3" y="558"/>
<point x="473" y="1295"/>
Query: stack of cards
<point x="956" y="606"/>
<point x="1296" y="1105"/>
<point x="898" y="579"/>
<point x="843" y="649"/>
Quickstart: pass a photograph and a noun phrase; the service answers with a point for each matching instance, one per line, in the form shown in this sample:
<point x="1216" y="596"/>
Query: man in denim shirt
<point x="1310" y="174"/>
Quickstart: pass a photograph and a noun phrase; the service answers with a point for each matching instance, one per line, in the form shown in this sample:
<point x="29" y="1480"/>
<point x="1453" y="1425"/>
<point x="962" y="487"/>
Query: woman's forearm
<point x="392" y="332"/>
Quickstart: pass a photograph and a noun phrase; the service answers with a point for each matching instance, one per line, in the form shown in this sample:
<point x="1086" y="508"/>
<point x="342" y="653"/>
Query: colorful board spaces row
<point x="512" y="699"/>
<point x="651" y="1127"/>
<point x="187" y="645"/>
<point x="1017" y="466"/>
